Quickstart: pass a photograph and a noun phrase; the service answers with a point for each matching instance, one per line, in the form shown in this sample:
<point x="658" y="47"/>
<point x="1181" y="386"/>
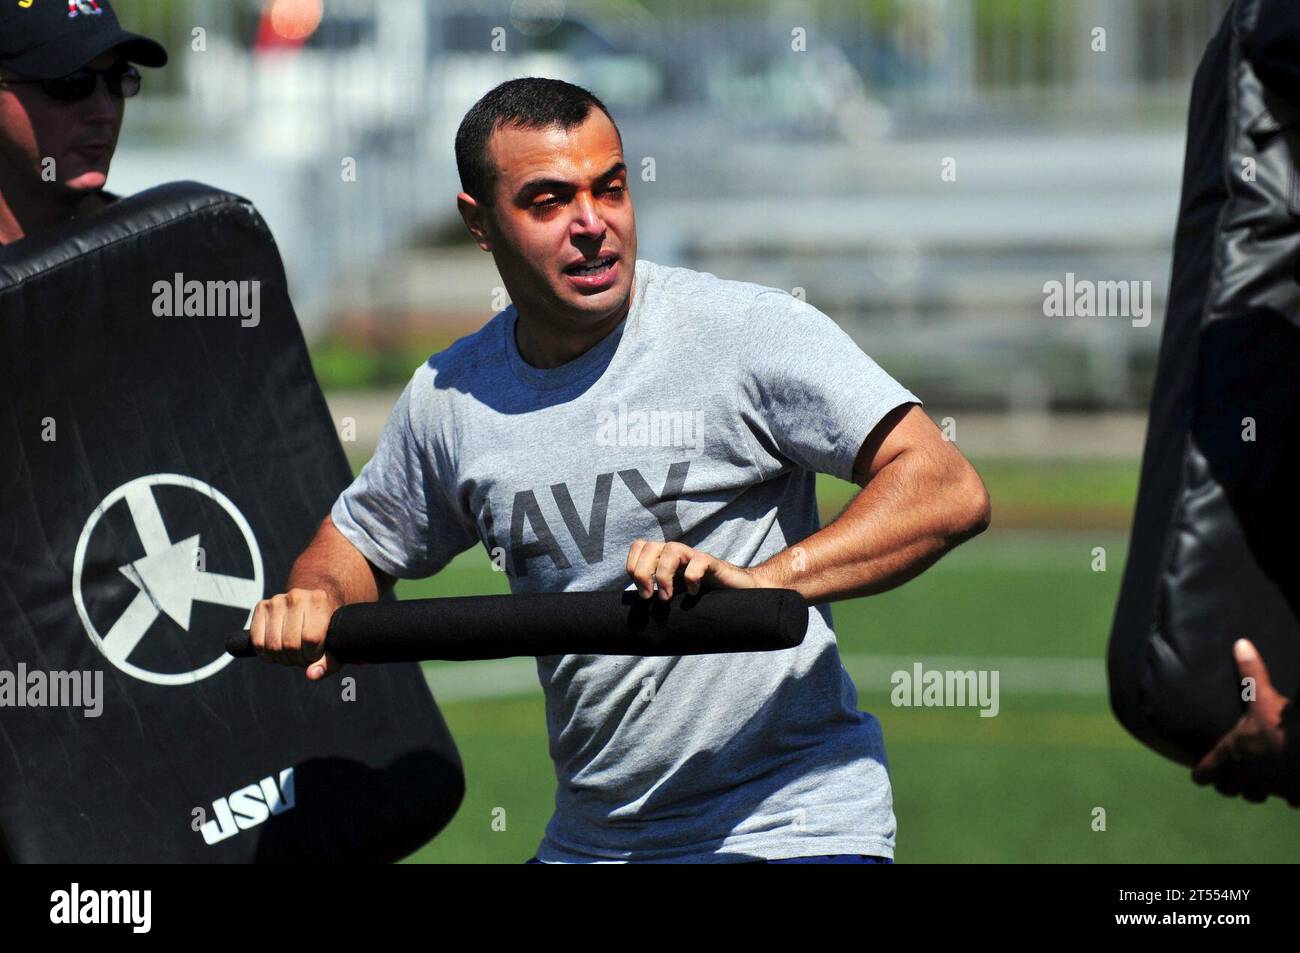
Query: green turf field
<point x="1019" y="787"/>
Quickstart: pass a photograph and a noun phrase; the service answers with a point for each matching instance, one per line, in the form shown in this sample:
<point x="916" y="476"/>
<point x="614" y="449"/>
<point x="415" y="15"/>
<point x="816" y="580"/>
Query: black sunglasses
<point x="123" y="82"/>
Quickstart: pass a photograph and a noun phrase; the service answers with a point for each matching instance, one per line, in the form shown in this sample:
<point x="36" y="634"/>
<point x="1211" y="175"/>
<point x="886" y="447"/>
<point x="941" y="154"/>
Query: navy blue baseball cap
<point x="47" y="39"/>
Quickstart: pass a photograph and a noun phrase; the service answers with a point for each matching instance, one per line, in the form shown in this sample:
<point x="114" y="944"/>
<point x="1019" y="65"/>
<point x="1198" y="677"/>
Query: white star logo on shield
<point x="167" y="578"/>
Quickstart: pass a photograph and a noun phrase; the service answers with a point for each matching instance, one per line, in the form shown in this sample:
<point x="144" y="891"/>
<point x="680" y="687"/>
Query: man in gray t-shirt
<point x="626" y="424"/>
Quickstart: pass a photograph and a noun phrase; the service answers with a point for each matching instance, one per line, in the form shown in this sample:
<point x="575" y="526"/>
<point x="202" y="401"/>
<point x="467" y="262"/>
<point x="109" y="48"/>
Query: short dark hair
<point x="528" y="103"/>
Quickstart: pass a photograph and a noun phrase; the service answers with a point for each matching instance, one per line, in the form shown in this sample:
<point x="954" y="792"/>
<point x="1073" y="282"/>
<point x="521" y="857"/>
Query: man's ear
<point x="474" y="216"/>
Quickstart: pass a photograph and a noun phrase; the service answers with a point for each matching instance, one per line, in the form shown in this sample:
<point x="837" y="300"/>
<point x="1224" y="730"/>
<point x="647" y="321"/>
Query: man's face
<point x="562" y="200"/>
<point x="80" y="137"/>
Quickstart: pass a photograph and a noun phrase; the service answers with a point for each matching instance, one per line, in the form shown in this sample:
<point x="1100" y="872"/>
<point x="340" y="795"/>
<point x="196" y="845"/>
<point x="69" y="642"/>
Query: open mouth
<point x="589" y="270"/>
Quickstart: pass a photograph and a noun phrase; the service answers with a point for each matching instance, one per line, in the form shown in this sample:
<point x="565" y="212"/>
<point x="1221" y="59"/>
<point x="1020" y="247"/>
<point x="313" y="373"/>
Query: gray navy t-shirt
<point x="703" y="418"/>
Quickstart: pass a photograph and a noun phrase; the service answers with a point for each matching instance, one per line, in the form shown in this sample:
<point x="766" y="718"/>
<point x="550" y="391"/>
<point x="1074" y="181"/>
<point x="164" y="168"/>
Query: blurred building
<point x="918" y="169"/>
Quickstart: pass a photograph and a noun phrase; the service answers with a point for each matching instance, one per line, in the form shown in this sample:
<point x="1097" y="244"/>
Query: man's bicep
<point x="332" y="560"/>
<point x="403" y="511"/>
<point x="383" y="580"/>
<point x="807" y="390"/>
<point x="906" y="427"/>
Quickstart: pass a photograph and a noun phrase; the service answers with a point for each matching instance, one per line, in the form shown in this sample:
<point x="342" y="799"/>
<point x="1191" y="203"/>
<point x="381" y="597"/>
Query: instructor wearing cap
<point x="66" y="68"/>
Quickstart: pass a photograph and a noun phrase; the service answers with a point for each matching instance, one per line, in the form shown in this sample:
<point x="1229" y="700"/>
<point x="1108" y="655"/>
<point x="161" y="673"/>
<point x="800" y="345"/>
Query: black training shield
<point x="166" y="455"/>
<point x="1210" y="559"/>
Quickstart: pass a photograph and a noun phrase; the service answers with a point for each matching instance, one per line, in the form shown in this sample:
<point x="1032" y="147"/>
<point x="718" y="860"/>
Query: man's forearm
<point x="333" y="564"/>
<point x="908" y="515"/>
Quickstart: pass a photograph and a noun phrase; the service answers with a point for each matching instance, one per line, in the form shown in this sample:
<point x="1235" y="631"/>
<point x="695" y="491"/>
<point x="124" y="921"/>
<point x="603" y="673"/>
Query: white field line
<point x="472" y="681"/>
<point x="504" y="678"/>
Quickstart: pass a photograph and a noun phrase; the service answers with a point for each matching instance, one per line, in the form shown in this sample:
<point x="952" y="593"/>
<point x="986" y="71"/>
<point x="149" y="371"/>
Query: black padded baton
<point x="562" y="623"/>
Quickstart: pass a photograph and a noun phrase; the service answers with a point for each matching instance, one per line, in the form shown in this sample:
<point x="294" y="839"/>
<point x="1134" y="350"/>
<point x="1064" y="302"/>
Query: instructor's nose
<point x="587" y="221"/>
<point x="101" y="106"/>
